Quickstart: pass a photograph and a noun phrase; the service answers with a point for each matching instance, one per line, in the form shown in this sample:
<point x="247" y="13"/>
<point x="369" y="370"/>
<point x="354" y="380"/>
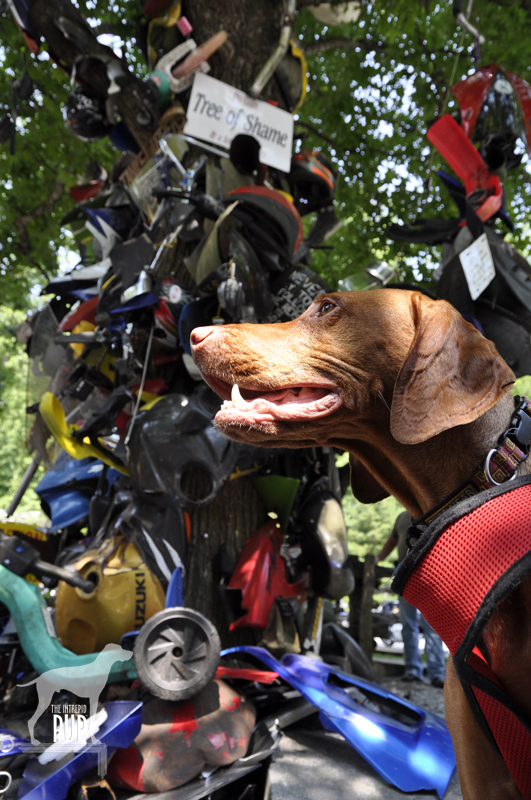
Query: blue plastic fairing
<point x="408" y="746"/>
<point x="52" y="781"/>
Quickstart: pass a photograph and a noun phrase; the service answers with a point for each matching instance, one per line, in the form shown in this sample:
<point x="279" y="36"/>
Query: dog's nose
<point x="198" y="335"/>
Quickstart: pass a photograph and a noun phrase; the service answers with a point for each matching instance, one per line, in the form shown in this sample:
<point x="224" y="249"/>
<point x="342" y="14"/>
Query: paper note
<point x="478" y="265"/>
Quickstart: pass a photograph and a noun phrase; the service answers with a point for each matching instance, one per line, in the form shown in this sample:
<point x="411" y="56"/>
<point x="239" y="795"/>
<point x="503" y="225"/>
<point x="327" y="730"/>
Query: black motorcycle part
<point x="177" y="435"/>
<point x="20" y="557"/>
<point x="16" y="555"/>
<point x="251" y="274"/>
<point x="324" y="545"/>
<point x="503" y="310"/>
<point x="340" y="649"/>
<point x="130" y="258"/>
<point x="177" y="653"/>
<point x="510" y="335"/>
<point x="292" y="293"/>
<point x="424" y="231"/>
<point x="155" y="524"/>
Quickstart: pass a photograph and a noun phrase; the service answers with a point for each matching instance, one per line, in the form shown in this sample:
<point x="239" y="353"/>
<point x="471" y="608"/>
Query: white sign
<point x="217" y="112"/>
<point x="478" y="265"/>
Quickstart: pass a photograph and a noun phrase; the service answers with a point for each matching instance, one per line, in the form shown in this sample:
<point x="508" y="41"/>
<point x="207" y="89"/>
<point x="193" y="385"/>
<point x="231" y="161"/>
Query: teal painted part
<point x="161" y="81"/>
<point x="24" y="602"/>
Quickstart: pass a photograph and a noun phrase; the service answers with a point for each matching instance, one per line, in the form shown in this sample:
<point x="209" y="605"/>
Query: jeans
<point x="409" y="616"/>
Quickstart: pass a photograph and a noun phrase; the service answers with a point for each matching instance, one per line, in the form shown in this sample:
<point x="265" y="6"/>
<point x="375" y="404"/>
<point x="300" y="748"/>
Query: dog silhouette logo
<point x="86" y="680"/>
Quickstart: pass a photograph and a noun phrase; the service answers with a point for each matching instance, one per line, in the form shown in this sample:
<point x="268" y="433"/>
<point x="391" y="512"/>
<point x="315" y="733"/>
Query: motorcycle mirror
<point x="380" y="271"/>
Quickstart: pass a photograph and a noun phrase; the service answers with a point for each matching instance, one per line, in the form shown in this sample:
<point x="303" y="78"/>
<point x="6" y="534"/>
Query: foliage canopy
<point x="374" y="87"/>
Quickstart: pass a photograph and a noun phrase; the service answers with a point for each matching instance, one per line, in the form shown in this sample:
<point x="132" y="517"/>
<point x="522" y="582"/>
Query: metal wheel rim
<point x="177" y="649"/>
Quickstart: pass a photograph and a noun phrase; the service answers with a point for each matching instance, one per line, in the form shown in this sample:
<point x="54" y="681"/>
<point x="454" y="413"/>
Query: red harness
<point x="466" y="562"/>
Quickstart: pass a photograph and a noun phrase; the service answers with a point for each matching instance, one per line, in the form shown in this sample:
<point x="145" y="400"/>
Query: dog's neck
<point x="420" y="476"/>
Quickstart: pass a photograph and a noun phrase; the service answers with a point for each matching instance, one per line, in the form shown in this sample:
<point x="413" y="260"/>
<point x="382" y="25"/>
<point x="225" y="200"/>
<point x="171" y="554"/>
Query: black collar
<point x="500" y="466"/>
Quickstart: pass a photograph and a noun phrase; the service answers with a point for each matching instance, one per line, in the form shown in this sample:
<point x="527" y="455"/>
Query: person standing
<point x="409" y="616"/>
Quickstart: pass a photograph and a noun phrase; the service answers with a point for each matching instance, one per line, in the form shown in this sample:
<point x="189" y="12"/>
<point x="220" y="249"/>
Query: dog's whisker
<point x="384" y="401"/>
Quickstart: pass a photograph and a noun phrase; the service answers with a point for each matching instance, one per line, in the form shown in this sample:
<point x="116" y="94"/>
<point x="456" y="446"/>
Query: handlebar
<point x="72" y="578"/>
<point x="205" y="203"/>
<point x="21" y="557"/>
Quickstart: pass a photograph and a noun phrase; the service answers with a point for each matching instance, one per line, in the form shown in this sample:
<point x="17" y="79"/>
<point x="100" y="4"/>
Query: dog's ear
<point x="450" y="377"/>
<point x="365" y="487"/>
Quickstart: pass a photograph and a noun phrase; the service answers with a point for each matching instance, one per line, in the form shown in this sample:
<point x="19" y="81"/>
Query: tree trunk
<point x="236" y="512"/>
<point x="253" y="33"/>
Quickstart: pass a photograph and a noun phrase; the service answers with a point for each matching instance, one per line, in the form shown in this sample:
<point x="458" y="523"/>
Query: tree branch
<point x="46" y="207"/>
<point x="341" y="43"/>
<point x="123" y="30"/>
<point x="41" y="210"/>
<point x="316" y="131"/>
<point x="38" y="267"/>
<point x="306" y="3"/>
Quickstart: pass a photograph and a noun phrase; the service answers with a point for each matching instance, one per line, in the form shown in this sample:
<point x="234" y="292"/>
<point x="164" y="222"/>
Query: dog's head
<point x="352" y="361"/>
<point x="117" y="652"/>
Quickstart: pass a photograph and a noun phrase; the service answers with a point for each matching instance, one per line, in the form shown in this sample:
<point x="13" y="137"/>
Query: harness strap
<point x="510" y="731"/>
<point x="466" y="562"/>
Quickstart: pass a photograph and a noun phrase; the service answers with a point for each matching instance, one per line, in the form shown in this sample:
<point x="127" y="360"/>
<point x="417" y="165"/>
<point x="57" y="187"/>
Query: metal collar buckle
<point x="489" y="476"/>
<point x="520" y="428"/>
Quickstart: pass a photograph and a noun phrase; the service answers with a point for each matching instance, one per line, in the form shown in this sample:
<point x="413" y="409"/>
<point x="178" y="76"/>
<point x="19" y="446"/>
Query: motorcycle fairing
<point x="42" y="782"/>
<point x="457" y="193"/>
<point x="260" y="577"/>
<point x="67" y="487"/>
<point x="471" y="94"/>
<point x="414" y="757"/>
<point x="454" y="145"/>
<point x="44" y="651"/>
<point x="54" y="416"/>
<point x="523" y="93"/>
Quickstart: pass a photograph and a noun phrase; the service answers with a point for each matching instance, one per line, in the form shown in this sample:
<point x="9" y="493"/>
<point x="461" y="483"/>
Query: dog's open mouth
<point x="253" y="406"/>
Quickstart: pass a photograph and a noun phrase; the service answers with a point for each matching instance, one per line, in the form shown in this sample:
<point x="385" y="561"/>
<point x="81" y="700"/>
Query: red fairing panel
<point x="452" y="143"/>
<point x="260" y="575"/>
<point x="471" y="94"/>
<point x="523" y="93"/>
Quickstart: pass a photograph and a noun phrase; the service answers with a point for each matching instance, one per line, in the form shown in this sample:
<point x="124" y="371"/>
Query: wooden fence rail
<point x="368" y="575"/>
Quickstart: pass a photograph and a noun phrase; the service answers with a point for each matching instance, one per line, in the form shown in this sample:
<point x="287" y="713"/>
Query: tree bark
<point x="230" y="519"/>
<point x="236" y="512"/>
<point x="253" y="33"/>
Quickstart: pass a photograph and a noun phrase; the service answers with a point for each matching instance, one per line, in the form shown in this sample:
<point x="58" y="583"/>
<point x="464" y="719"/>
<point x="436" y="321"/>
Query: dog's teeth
<point x="236" y="397"/>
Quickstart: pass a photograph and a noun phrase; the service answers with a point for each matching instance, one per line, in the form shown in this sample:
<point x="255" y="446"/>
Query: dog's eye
<point x="326" y="307"/>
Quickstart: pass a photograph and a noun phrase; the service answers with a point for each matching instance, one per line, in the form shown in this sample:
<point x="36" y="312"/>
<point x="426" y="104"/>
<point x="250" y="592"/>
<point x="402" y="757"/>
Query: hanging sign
<point x="478" y="265"/>
<point x="217" y="112"/>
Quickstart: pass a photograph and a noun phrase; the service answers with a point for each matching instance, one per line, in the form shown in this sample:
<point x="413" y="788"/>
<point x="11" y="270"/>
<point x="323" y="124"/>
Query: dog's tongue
<point x="293" y="403"/>
<point x="296" y="395"/>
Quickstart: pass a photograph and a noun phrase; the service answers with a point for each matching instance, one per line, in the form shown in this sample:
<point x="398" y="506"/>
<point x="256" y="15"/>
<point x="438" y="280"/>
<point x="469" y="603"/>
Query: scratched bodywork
<point x="178" y="741"/>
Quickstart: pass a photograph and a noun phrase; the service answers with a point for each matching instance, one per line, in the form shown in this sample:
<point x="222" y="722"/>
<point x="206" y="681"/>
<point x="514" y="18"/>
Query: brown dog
<point x="417" y="397"/>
